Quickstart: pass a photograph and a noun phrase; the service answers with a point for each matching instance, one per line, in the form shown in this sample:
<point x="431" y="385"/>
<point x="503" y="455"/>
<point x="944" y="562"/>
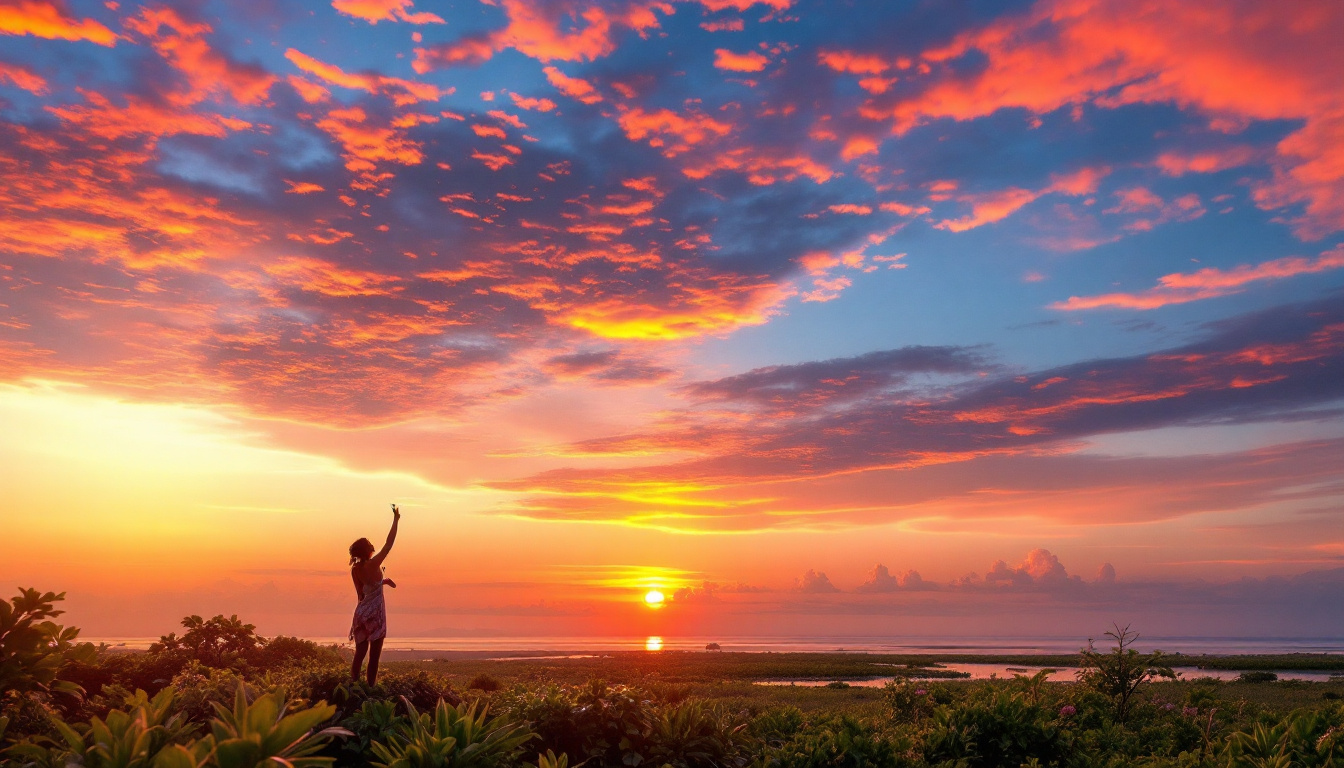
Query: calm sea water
<point x="942" y="645"/>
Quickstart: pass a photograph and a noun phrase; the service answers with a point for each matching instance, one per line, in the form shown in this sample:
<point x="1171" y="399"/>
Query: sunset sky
<point x="878" y="319"/>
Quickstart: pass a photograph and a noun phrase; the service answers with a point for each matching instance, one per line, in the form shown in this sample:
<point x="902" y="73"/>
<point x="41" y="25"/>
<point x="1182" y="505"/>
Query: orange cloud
<point x="742" y="5"/>
<point x="364" y="145"/>
<point x="402" y="92"/>
<point x="1264" y="64"/>
<point x="573" y="87"/>
<point x="995" y="206"/>
<point x="858" y="210"/>
<point x="50" y="20"/>
<point x="374" y="11"/>
<point x="761" y="166"/>
<point x="319" y="276"/>
<point x="182" y="43"/>
<point x="302" y="187"/>
<point x="23" y="77"/>
<point x="1207" y="283"/>
<point x="1208" y="161"/>
<point x="750" y="61"/>
<point x="684" y="130"/>
<point x="139" y="117"/>
<point x="540" y="105"/>
<point x="722" y="305"/>
<point x="558" y="31"/>
<point x="853" y="63"/>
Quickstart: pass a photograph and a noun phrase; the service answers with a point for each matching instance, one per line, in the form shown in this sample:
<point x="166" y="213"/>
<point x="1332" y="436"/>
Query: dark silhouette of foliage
<point x="35" y="652"/>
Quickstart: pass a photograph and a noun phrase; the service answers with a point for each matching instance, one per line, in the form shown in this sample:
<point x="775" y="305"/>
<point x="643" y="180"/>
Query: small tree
<point x="213" y="642"/>
<point x="35" y="650"/>
<point x="1120" y="673"/>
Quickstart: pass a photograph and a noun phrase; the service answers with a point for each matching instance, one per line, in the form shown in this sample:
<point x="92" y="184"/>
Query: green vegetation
<point x="221" y="697"/>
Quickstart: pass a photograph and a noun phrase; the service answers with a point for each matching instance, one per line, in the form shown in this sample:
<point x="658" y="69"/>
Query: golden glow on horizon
<point x="654" y="599"/>
<point x="654" y="643"/>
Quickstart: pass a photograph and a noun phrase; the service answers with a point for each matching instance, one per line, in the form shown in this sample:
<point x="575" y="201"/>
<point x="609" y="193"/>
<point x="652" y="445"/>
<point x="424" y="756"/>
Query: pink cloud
<point x="1264" y="64"/>
<point x="987" y="208"/>
<point x="402" y="92"/>
<point x="1208" y="283"/>
<point x="750" y="61"/>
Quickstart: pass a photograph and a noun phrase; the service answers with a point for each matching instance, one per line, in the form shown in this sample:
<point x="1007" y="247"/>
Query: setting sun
<point x="653" y="598"/>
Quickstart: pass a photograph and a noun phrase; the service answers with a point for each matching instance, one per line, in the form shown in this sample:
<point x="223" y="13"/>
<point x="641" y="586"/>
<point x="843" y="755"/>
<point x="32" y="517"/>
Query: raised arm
<point x="391" y="537"/>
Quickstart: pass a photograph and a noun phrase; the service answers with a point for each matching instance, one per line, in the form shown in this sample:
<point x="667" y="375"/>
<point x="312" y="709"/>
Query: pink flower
<point x="921" y="692"/>
<point x="1068" y="710"/>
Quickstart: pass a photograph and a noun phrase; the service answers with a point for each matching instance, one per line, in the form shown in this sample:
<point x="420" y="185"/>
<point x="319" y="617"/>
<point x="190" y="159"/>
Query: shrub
<point x="696" y="734"/>
<point x="840" y="742"/>
<point x="375" y="721"/>
<point x="1002" y="729"/>
<point x="459" y="737"/>
<point x="420" y="688"/>
<point x="908" y="701"/>
<point x="483" y="682"/>
<point x="1257" y="677"/>
<point x="35" y="652"/>
<point x="216" y="642"/>
<point x="1122" y="672"/>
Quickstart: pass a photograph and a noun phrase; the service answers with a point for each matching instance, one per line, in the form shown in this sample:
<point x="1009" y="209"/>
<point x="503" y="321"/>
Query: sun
<point x="654" y="599"/>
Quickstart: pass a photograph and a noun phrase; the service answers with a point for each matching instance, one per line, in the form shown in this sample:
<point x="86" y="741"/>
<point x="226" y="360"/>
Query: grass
<point x="731" y="677"/>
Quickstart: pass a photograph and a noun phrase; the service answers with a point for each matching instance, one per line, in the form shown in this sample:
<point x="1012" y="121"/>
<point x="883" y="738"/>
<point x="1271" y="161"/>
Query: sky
<point x="873" y="319"/>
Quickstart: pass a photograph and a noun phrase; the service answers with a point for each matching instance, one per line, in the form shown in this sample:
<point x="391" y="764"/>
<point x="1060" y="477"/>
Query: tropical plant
<point x="264" y="733"/>
<point x="840" y="742"/>
<point x="697" y="734"/>
<point x="460" y="737"/>
<point x="374" y="721"/>
<point x="551" y="760"/>
<point x="1300" y="740"/>
<point x="1120" y="673"/>
<point x="133" y="737"/>
<point x="35" y="651"/>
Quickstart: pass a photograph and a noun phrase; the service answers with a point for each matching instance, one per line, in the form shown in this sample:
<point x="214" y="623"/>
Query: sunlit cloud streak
<point x="1208" y="283"/>
<point x="763" y="432"/>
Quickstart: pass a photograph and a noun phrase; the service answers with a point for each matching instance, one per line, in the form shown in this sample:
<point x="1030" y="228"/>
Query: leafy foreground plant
<point x="457" y="736"/>
<point x="150" y="733"/>
<point x="35" y="650"/>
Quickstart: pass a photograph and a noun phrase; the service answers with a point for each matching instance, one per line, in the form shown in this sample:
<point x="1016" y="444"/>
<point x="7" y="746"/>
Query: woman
<point x="369" y="627"/>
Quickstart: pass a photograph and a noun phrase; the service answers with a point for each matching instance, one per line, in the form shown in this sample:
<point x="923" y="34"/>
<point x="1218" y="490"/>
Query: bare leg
<point x="375" y="651"/>
<point x="361" y="648"/>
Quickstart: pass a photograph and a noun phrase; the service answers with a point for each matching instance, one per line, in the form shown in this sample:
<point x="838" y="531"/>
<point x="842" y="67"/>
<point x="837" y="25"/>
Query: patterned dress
<point x="370" y="621"/>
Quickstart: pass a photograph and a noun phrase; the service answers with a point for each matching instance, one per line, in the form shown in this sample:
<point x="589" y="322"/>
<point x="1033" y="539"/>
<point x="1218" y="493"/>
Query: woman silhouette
<point x="369" y="627"/>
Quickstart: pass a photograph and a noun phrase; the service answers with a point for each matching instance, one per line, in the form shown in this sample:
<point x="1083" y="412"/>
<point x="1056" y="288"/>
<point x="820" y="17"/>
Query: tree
<point x="34" y="650"/>
<point x="1120" y="673"/>
<point x="213" y="642"/>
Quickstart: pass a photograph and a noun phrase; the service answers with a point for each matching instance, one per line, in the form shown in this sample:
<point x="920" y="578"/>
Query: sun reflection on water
<point x="654" y="643"/>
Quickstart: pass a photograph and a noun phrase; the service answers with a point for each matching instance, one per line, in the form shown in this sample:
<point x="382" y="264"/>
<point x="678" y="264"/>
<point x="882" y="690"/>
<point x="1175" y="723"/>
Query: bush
<point x="483" y="682"/>
<point x="459" y="737"/>
<point x="1122" y="672"/>
<point x="839" y="742"/>
<point x="35" y="652"/>
<point x="1002" y="729"/>
<point x="1257" y="677"/>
